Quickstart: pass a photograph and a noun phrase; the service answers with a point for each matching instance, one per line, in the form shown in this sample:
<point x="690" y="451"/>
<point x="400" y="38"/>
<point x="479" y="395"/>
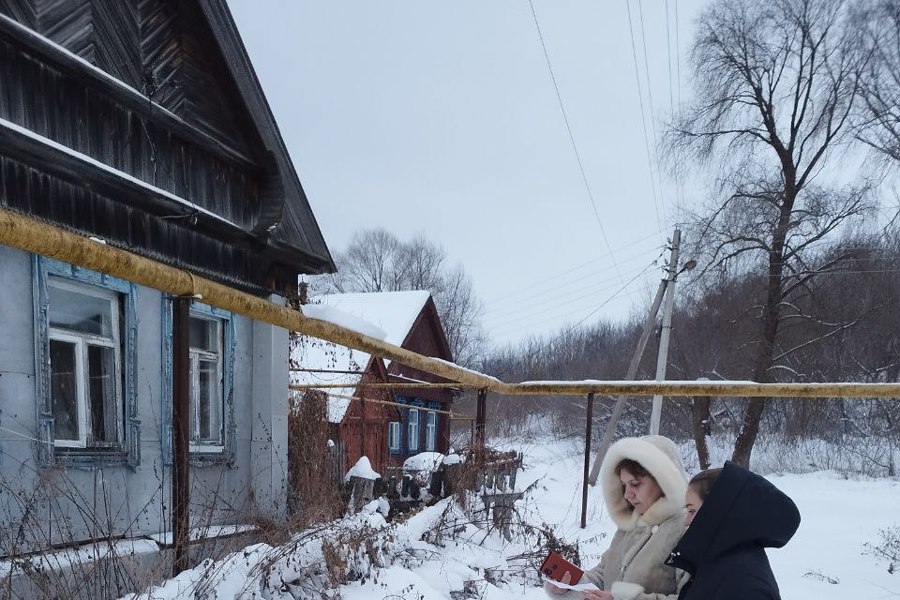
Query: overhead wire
<point x="555" y="317"/>
<point x="591" y="289"/>
<point x="518" y="292"/>
<point x="572" y="136"/>
<point x="559" y="295"/>
<point x="566" y="288"/>
<point x="507" y="323"/>
<point x="662" y="196"/>
<point x="679" y="178"/>
<point x="637" y="79"/>
<point x="570" y="328"/>
<point x="669" y="59"/>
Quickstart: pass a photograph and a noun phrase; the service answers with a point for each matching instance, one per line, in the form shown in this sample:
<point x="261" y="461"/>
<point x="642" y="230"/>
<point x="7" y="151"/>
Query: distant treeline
<point x="843" y="325"/>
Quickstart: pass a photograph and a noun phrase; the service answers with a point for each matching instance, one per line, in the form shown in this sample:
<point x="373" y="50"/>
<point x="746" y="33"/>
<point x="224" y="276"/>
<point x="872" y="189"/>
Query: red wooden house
<point x="384" y="426"/>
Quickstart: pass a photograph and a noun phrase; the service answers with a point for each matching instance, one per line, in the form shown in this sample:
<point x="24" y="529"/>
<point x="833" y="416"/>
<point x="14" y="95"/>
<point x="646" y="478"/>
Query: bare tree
<point x="377" y="261"/>
<point x="880" y="110"/>
<point x="777" y="81"/>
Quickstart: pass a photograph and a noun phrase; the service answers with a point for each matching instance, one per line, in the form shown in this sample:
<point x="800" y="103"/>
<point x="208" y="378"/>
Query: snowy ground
<point x="827" y="559"/>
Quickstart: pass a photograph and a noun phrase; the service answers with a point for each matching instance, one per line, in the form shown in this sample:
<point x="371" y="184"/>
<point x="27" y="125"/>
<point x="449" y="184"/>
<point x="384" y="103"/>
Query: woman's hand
<point x="566" y="578"/>
<point x="597" y="595"/>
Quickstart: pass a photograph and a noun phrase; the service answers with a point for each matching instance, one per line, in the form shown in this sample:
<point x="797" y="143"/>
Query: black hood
<point x="742" y="509"/>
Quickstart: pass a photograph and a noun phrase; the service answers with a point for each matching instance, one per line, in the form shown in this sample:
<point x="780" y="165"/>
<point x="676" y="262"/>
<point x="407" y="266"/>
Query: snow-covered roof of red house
<point x="392" y="314"/>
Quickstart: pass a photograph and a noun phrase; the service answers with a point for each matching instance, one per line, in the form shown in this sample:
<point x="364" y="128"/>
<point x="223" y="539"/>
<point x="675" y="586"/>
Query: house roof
<point x="293" y="222"/>
<point x="232" y="126"/>
<point x="393" y="313"/>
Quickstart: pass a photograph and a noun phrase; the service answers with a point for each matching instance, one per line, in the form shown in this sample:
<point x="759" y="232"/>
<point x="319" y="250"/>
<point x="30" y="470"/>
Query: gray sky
<point x="441" y="119"/>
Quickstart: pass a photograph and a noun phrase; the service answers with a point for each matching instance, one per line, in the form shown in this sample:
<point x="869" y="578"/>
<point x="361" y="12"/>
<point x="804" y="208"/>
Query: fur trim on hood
<point x="659" y="456"/>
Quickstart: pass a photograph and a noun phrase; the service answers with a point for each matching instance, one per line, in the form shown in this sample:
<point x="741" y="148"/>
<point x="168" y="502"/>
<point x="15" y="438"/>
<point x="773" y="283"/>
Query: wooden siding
<point x="179" y="123"/>
<point x="27" y="190"/>
<point x="426" y="336"/>
<point x="59" y="107"/>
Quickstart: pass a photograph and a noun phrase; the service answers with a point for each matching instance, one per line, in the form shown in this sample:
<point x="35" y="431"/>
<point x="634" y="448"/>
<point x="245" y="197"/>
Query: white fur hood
<point x="660" y="457"/>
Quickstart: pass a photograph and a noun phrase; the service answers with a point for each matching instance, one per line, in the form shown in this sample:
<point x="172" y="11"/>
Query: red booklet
<point x="555" y="566"/>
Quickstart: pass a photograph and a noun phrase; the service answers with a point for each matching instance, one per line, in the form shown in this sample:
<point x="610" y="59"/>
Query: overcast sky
<point x="442" y="119"/>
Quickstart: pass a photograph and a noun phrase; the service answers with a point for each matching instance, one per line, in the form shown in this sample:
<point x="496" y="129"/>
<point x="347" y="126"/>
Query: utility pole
<point x="649" y="322"/>
<point x="663" y="353"/>
<point x="661" y="293"/>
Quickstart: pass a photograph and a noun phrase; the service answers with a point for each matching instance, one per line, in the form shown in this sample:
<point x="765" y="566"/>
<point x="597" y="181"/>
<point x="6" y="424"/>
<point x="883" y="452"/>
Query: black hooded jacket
<point x="723" y="549"/>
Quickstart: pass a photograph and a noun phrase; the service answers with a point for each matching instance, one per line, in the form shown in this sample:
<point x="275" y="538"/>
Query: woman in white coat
<point x="643" y="483"/>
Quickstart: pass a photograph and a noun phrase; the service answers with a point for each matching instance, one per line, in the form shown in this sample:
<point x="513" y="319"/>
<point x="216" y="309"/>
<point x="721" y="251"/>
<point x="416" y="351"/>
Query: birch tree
<point x="776" y="84"/>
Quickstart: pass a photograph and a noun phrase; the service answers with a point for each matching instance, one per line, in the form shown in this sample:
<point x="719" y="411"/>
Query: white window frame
<point x="394" y="441"/>
<point x="412" y="435"/>
<point x="196" y="355"/>
<point x="82" y="341"/>
<point x="430" y="431"/>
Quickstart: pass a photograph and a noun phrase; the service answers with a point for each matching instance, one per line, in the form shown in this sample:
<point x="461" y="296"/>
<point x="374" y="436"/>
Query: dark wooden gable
<point x="151" y="131"/>
<point x="426" y="336"/>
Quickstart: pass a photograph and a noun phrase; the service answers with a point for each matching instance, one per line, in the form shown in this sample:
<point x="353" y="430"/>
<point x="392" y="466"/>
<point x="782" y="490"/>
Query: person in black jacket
<point x="732" y="516"/>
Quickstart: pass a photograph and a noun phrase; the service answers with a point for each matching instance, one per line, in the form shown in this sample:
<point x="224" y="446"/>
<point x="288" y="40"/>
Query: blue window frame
<point x="212" y="343"/>
<point x="412" y="435"/>
<point x="394" y="438"/>
<point x="85" y="356"/>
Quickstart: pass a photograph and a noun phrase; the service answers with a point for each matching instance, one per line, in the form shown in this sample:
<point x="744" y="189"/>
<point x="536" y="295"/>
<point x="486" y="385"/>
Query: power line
<point x="571" y="328"/>
<point x="559" y="289"/>
<point x="572" y="137"/>
<point x="637" y="80"/>
<point x="515" y="324"/>
<point x="662" y="196"/>
<point x="519" y="291"/>
<point x="678" y="51"/>
<point x="669" y="61"/>
<point x="561" y="299"/>
<point x="571" y="300"/>
<point x="678" y="80"/>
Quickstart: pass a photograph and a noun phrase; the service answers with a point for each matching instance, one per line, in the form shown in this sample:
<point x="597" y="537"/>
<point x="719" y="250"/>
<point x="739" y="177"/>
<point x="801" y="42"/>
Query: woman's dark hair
<point x="704" y="481"/>
<point x="636" y="469"/>
<point x="633" y="467"/>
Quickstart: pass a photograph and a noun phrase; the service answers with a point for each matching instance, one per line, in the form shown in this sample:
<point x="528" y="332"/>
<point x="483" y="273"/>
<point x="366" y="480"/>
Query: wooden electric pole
<point x="663" y="352"/>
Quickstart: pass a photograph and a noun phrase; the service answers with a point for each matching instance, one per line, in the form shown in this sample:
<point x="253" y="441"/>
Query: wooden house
<point x="141" y="124"/>
<point x="417" y="419"/>
<point x="355" y="415"/>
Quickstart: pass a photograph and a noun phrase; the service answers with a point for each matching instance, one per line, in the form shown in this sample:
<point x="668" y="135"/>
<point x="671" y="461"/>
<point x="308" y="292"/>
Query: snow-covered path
<point x="826" y="560"/>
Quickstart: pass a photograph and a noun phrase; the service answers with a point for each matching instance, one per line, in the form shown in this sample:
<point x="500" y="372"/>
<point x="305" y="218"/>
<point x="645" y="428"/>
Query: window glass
<point x="207" y="386"/>
<point x="84" y="376"/>
<point x="85" y="357"/>
<point x="209" y="402"/>
<point x="63" y="383"/>
<point x="102" y="393"/>
<point x="76" y="311"/>
<point x="430" y="431"/>
<point x="205" y="334"/>
<point x="394" y="435"/>
<point x="413" y="429"/>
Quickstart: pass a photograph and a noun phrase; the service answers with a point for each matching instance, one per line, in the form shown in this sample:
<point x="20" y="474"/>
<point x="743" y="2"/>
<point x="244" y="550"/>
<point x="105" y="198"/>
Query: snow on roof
<point x="327" y="362"/>
<point x="393" y="312"/>
<point x="385" y="315"/>
<point x="337" y="316"/>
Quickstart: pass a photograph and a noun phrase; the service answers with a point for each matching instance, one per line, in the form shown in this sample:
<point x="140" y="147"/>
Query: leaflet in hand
<point x="570" y="586"/>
